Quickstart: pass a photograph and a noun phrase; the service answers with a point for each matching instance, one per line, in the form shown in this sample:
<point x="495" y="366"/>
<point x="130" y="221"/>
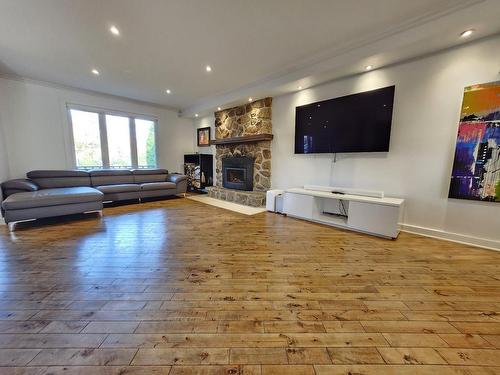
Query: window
<point x="87" y="139"/>
<point x="118" y="134"/>
<point x="110" y="140"/>
<point x="145" y="139"/>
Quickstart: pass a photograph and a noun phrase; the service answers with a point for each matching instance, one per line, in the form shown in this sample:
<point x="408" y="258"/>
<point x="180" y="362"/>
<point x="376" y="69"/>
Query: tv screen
<point x="353" y="123"/>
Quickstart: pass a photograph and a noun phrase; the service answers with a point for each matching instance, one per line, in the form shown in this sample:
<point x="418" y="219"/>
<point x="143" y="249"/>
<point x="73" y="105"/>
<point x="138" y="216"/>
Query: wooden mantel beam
<point x="243" y="139"/>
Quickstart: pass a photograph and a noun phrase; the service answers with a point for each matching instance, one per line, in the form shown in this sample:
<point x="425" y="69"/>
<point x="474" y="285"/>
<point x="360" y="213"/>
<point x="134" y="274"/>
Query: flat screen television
<point x="353" y="123"/>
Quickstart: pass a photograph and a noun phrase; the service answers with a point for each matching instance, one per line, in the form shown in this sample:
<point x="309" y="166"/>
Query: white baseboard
<point x="453" y="237"/>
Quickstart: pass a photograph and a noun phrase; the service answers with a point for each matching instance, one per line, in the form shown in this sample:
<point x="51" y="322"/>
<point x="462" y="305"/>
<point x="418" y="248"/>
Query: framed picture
<point x="476" y="167"/>
<point x="204" y="137"/>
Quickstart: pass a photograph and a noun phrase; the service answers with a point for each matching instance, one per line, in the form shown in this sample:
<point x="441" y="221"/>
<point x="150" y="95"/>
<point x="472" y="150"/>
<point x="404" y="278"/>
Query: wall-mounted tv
<point x="353" y="123"/>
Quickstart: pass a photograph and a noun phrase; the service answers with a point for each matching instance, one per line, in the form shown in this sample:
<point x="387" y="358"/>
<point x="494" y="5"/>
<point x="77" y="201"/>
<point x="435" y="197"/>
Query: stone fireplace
<point x="243" y="153"/>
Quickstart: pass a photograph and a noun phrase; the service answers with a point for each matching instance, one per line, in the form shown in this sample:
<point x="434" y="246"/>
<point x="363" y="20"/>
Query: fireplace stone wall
<point x="250" y="119"/>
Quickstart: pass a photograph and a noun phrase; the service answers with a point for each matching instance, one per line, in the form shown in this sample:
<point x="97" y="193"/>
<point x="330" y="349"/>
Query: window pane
<point x="87" y="139"/>
<point x="146" y="147"/>
<point x="118" y="131"/>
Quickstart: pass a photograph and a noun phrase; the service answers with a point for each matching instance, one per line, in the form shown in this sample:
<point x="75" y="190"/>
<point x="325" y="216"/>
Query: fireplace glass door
<point x="235" y="175"/>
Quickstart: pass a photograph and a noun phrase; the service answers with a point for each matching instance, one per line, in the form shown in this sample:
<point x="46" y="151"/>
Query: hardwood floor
<point x="179" y="287"/>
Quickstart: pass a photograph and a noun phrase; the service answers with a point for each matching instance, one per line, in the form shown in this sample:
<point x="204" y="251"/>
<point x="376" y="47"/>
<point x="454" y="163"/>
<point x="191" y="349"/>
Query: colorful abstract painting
<point x="476" y="168"/>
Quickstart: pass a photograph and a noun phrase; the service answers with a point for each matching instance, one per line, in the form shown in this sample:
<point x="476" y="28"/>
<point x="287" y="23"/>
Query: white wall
<point x="36" y="128"/>
<point x="426" y="114"/>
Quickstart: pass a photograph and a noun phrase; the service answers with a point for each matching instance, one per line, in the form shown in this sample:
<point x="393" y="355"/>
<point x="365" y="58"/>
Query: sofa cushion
<point x="118" y="188"/>
<point x="48" y="179"/>
<point x="144" y="171"/>
<point x="51" y="197"/>
<point x="102" y="177"/>
<point x="158" y="186"/>
<point x="149" y="175"/>
<point x="57" y="173"/>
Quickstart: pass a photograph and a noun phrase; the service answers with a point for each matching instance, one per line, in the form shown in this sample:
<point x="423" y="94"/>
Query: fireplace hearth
<point x="237" y="172"/>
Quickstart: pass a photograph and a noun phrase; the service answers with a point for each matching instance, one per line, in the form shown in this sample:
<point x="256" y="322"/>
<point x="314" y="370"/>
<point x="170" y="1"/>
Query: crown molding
<point x="59" y="86"/>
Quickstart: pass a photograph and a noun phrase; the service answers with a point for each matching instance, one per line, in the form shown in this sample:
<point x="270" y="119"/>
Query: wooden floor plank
<point x="404" y="370"/>
<point x="408" y="327"/>
<point x="308" y="356"/>
<point x="492" y="339"/>
<point x="468" y="341"/>
<point x="411" y="356"/>
<point x="106" y="370"/>
<point x="216" y="370"/>
<point x="17" y="357"/>
<point x="83" y="357"/>
<point x="288" y="369"/>
<point x="110" y="327"/>
<point x="65" y="327"/>
<point x="258" y="356"/>
<point x="49" y="340"/>
<point x="293" y="326"/>
<point x="482" y="328"/>
<point x="181" y="357"/>
<point x="477" y="357"/>
<point x="420" y="340"/>
<point x="355" y="355"/>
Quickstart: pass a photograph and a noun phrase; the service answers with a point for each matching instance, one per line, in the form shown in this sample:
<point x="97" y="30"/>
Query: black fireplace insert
<point x="237" y="172"/>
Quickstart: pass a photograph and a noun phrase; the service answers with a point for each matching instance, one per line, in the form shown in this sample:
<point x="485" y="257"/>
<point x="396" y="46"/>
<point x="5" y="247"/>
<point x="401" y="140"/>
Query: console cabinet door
<point x="298" y="205"/>
<point x="374" y="218"/>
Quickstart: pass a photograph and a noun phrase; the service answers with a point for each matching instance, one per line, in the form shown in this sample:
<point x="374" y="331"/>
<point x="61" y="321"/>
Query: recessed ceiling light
<point x="114" y="30"/>
<point x="368" y="67"/>
<point x="250" y="99"/>
<point x="219" y="108"/>
<point x="467" y="33"/>
<point x="195" y="115"/>
<point x="208" y="68"/>
<point x="299" y="87"/>
<point x="95" y="72"/>
<point x="168" y="91"/>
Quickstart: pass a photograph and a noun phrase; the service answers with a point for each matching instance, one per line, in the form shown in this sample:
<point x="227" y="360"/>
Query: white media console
<point x="369" y="214"/>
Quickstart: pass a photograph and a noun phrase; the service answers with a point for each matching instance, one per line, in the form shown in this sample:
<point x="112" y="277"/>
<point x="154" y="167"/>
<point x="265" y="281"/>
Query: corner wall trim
<point x="453" y="237"/>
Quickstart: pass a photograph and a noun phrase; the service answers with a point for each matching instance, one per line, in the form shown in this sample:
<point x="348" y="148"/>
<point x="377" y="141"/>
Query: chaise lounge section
<point x="48" y="193"/>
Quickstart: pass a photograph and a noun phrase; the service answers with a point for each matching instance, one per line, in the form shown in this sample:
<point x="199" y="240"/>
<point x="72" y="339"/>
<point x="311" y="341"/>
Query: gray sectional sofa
<point x="49" y="193"/>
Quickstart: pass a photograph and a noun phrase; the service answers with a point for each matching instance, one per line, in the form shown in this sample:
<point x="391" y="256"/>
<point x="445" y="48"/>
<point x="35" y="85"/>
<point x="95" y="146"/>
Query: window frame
<point x="103" y="135"/>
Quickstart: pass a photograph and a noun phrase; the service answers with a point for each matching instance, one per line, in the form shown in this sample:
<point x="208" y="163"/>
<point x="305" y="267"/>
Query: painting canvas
<point x="476" y="167"/>
<point x="204" y="137"/>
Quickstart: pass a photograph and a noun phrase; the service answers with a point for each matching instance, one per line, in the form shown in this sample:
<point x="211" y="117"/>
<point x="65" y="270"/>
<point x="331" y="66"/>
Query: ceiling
<point x="255" y="48"/>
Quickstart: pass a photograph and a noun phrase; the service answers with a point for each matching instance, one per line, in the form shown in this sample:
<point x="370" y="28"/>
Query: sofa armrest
<point x="176" y="178"/>
<point x="20" y="184"/>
